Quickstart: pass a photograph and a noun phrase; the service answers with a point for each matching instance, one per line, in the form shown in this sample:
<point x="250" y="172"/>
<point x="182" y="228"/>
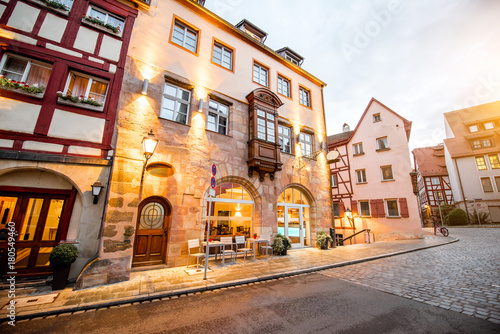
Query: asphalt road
<point x="312" y="303"/>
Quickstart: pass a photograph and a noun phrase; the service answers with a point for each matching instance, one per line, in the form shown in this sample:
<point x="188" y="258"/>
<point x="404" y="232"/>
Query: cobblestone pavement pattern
<point x="462" y="277"/>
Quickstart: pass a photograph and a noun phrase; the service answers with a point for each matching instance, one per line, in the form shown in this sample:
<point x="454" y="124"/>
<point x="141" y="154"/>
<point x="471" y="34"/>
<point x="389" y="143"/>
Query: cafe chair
<point x="195" y="243"/>
<point x="240" y="240"/>
<point x="228" y="241"/>
<point x="269" y="247"/>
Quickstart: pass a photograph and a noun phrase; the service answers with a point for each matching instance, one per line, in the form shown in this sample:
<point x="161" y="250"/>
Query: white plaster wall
<point x="23" y="17"/>
<point x="6" y="143"/>
<point x="63" y="50"/>
<point x="84" y="150"/>
<point x="447" y="129"/>
<point x="39" y="146"/>
<point x="152" y="46"/>
<point x="18" y="116"/>
<point x="110" y="48"/>
<point x="453" y="175"/>
<point x="53" y="28"/>
<point x="73" y="126"/>
<point x="471" y="179"/>
<point x="86" y="39"/>
<point x="2" y="9"/>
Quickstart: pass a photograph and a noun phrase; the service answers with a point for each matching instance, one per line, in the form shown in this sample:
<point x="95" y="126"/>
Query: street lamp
<point x="96" y="190"/>
<point x="149" y="144"/>
<point x="348" y="214"/>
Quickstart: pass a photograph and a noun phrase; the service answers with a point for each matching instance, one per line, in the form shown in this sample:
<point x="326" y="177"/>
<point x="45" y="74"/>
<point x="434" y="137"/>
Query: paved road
<point x="463" y="277"/>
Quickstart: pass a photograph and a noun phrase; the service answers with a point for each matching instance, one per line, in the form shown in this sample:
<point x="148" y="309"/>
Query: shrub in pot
<point x="61" y="258"/>
<point x="323" y="239"/>
<point x="281" y="244"/>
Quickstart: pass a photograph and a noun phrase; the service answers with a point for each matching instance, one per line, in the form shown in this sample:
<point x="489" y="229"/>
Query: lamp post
<point x="149" y="144"/>
<point x="348" y="214"/>
<point x="96" y="190"/>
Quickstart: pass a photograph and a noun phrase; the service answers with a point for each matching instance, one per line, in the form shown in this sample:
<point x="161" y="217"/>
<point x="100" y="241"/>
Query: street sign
<point x="214" y="170"/>
<point x="211" y="192"/>
<point x="212" y="182"/>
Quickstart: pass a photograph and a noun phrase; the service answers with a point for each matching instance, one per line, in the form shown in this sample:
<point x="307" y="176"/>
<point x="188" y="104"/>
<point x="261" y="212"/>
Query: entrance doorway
<point x="294" y="218"/>
<point x="151" y="235"/>
<point x="41" y="219"/>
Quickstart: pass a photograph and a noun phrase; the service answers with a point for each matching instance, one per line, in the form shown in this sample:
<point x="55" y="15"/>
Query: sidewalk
<point x="170" y="282"/>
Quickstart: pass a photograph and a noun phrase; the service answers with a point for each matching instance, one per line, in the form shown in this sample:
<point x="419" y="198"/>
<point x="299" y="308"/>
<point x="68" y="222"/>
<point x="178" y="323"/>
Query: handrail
<point x="355" y="234"/>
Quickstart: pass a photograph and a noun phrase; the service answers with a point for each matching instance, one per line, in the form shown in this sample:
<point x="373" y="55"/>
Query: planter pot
<point x="80" y="105"/>
<point x="60" y="277"/>
<point x="285" y="243"/>
<point x="325" y="246"/>
<point x="22" y="92"/>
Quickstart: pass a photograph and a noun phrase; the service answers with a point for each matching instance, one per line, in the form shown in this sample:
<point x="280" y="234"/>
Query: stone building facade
<point x="216" y="96"/>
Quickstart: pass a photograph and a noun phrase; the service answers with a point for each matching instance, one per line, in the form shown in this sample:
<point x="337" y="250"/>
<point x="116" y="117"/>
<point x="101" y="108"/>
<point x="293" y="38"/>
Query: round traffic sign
<point x="214" y="170"/>
<point x="212" y="182"/>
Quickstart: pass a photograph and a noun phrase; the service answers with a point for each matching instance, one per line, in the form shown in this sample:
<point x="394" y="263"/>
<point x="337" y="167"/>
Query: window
<point x="392" y="208"/>
<point x="283" y="86"/>
<point x="497" y="182"/>
<point x="481" y="143"/>
<point x="287" y="57"/>
<point x="494" y="162"/>
<point x="435" y="181"/>
<point x="486" y="183"/>
<point x="29" y="71"/>
<point x="107" y="18"/>
<point x="473" y="128"/>
<point x="336" y="210"/>
<point x="376" y="118"/>
<point x="364" y="208"/>
<point x="260" y="74"/>
<point x="175" y="104"/>
<point x="386" y="173"/>
<point x="223" y="56"/>
<point x="285" y="139"/>
<point x="489" y="125"/>
<point x="217" y="117"/>
<point x="87" y="87"/>
<point x="305" y="141"/>
<point x="304" y="97"/>
<point x="185" y="36"/>
<point x="360" y="176"/>
<point x="382" y="143"/>
<point x="265" y="126"/>
<point x="334" y="180"/>
<point x="357" y="148"/>
<point x="481" y="163"/>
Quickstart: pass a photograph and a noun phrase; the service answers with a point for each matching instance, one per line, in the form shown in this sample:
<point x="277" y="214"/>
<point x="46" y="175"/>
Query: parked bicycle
<point x="444" y="231"/>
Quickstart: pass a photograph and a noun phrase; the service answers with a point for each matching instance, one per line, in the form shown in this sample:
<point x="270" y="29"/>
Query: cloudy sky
<point x="420" y="58"/>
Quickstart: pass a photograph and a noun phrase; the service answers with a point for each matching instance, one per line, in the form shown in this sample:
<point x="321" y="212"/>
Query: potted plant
<point x="61" y="258"/>
<point x="281" y="244"/>
<point x="323" y="239"/>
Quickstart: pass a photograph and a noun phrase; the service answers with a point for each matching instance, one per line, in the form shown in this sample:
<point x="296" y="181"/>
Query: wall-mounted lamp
<point x="96" y="190"/>
<point x="200" y="108"/>
<point x="149" y="145"/>
<point x="145" y="87"/>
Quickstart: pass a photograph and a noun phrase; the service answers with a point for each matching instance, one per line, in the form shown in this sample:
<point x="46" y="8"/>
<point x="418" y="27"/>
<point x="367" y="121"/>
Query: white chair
<point x="228" y="249"/>
<point x="195" y="243"/>
<point x="269" y="247"/>
<point x="240" y="240"/>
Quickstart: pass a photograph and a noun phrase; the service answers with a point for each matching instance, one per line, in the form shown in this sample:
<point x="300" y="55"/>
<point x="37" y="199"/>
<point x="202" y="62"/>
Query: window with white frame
<point x="185" y="36"/>
<point x="382" y="143"/>
<point x="360" y="176"/>
<point x="86" y="87"/>
<point x="283" y="86"/>
<point x="357" y="148"/>
<point x="223" y="56"/>
<point x="473" y="128"/>
<point x="386" y="173"/>
<point x="481" y="163"/>
<point x="364" y="208"/>
<point x="285" y="138"/>
<point x="107" y="18"/>
<point x="175" y="104"/>
<point x="494" y="161"/>
<point x="218" y="114"/>
<point x="392" y="208"/>
<point x="265" y="126"/>
<point x="481" y="143"/>
<point x="489" y="125"/>
<point x="334" y="180"/>
<point x="435" y="181"/>
<point x="305" y="141"/>
<point x="25" y="70"/>
<point x="260" y="74"/>
<point x="376" y="118"/>
<point x="486" y="184"/>
<point x="304" y="97"/>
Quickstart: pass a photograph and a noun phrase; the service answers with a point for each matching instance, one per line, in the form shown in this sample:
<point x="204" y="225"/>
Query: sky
<point x="421" y="58"/>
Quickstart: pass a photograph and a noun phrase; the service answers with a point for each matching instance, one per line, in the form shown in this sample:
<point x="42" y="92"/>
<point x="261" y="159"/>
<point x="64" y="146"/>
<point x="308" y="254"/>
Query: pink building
<point x="371" y="181"/>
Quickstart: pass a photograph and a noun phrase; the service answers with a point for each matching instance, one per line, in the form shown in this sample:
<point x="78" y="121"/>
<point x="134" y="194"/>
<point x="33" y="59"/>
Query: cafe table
<point x="256" y="242"/>
<point x="216" y="245"/>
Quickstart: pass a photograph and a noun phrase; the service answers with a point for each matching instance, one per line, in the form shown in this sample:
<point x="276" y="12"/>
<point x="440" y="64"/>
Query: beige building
<point x="213" y="94"/>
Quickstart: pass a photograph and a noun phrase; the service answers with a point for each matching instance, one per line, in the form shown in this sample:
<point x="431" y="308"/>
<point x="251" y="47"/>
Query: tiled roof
<point x="339" y="138"/>
<point x="430" y="160"/>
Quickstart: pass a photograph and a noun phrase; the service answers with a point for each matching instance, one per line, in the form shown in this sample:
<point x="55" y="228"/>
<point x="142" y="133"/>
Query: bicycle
<point x="444" y="231"/>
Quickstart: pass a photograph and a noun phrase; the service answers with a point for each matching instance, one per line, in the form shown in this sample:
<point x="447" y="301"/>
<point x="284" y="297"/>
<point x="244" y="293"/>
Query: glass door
<point x="291" y="224"/>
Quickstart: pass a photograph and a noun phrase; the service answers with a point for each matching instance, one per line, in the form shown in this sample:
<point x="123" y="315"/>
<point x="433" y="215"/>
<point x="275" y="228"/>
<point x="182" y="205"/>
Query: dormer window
<point x="473" y="128"/>
<point x="252" y="30"/>
<point x="489" y="125"/>
<point x="291" y="55"/>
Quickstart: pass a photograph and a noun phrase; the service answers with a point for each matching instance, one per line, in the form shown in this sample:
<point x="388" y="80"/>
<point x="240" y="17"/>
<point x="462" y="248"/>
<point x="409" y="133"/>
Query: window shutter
<point x="354" y="207"/>
<point x="380" y="208"/>
<point x="341" y="209"/>
<point x="373" y="208"/>
<point x="403" y="208"/>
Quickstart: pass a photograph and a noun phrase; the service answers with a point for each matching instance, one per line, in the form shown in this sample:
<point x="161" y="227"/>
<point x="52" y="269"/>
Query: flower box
<point x="22" y="92"/>
<point x="80" y="105"/>
<point x="102" y="28"/>
<point x="57" y="10"/>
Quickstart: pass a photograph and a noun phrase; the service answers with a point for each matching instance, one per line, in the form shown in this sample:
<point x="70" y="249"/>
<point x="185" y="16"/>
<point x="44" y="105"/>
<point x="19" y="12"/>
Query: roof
<point x="430" y="160"/>
<point x="249" y="25"/>
<point x="339" y="138"/>
<point x="458" y="145"/>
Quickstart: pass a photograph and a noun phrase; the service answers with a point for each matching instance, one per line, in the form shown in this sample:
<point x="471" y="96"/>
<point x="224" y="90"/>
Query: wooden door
<point x="151" y="233"/>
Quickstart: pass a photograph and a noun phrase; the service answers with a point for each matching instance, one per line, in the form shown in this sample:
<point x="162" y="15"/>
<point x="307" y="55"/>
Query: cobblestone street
<point x="463" y="277"/>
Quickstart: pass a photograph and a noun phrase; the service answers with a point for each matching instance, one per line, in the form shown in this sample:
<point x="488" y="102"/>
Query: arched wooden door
<point x="151" y="234"/>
